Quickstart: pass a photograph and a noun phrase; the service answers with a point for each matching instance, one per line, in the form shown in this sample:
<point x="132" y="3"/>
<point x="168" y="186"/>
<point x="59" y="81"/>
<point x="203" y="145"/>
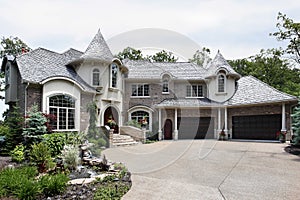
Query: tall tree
<point x="201" y="57"/>
<point x="289" y="31"/>
<point x="13" y="46"/>
<point x="131" y="54"/>
<point x="269" y="67"/>
<point x="162" y="56"/>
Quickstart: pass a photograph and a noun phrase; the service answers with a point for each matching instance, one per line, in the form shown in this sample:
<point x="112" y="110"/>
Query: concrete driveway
<point x="210" y="169"/>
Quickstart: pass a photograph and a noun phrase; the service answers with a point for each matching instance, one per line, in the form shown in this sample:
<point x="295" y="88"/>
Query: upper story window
<point x="165" y="86"/>
<point x="96" y="77"/>
<point x="114" y="75"/>
<point x="221" y="83"/>
<point x="63" y="107"/>
<point x="140" y="90"/>
<point x="194" y="90"/>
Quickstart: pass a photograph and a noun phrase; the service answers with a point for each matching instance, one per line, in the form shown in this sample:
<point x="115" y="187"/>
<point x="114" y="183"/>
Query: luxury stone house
<point x="176" y="100"/>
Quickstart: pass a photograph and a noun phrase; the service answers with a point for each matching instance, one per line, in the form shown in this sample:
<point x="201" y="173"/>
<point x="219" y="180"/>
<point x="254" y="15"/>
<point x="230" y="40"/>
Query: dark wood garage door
<point x="258" y="127"/>
<point x="195" y="128"/>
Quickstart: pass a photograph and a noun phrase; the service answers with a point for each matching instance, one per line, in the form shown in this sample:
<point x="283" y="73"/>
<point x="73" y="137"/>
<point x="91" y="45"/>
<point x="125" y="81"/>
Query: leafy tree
<point x="13" y="46"/>
<point x="269" y="67"/>
<point x="288" y="30"/>
<point x="201" y="57"/>
<point x="162" y="56"/>
<point x="131" y="54"/>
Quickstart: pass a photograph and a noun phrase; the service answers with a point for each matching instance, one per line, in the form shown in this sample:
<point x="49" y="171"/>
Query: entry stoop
<point x="123" y="140"/>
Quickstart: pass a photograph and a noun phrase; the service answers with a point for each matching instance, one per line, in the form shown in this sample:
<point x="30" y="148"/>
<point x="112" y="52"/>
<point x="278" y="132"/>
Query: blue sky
<point x="238" y="28"/>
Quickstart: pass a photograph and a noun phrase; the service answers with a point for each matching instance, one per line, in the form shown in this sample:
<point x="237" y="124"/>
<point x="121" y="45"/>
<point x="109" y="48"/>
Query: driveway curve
<point x="209" y="169"/>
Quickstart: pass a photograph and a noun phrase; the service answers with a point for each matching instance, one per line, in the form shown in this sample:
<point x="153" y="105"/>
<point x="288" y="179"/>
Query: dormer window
<point x="114" y="75"/>
<point x="221" y="83"/>
<point x="96" y="77"/>
<point x="165" y="87"/>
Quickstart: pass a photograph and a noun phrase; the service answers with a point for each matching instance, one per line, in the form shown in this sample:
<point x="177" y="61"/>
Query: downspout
<point x="25" y="102"/>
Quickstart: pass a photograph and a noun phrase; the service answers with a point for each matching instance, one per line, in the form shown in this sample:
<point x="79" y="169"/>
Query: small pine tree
<point x="15" y="121"/>
<point x="35" y="125"/>
<point x="296" y="125"/>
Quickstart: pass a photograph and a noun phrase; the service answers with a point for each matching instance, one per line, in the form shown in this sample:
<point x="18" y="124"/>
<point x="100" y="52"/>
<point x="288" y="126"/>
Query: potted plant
<point x="222" y="135"/>
<point x="144" y="122"/>
<point x="282" y="136"/>
<point x="111" y="123"/>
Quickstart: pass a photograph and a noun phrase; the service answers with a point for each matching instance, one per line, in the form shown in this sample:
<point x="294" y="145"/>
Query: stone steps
<point x="123" y="140"/>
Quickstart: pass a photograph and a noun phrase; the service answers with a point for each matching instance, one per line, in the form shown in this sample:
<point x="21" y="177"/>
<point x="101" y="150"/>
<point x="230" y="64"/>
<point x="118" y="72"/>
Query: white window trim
<point x="111" y="75"/>
<point x="92" y="77"/>
<point x="142" y="108"/>
<point x="196" y="97"/>
<point x="142" y="84"/>
<point x="225" y="80"/>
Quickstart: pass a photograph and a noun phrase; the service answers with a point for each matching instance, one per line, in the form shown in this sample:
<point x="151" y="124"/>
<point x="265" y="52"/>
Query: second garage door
<point x="259" y="127"/>
<point x="195" y="128"/>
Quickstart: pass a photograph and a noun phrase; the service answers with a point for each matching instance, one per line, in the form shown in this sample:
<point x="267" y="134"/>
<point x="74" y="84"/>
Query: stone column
<point x="225" y="122"/>
<point x="175" y="126"/>
<point x="219" y="120"/>
<point x="159" y="125"/>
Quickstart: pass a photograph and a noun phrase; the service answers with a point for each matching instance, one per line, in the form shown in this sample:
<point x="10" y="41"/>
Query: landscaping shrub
<point x="19" y="182"/>
<point x="55" y="142"/>
<point x="40" y="155"/>
<point x="133" y="123"/>
<point x="18" y="155"/>
<point x="53" y="185"/>
<point x="111" y="191"/>
<point x="70" y="156"/>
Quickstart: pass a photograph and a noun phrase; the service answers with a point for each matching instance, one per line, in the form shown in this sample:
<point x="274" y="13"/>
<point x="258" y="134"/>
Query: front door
<point x="112" y="114"/>
<point x="168" y="130"/>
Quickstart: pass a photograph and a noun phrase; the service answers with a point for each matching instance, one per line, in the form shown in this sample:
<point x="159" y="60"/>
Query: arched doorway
<point x="112" y="114"/>
<point x="168" y="129"/>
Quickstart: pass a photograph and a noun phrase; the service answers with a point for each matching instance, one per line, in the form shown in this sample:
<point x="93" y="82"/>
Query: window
<point x="63" y="107"/>
<point x="96" y="77"/>
<point x="221" y="83"/>
<point x="165" y="86"/>
<point x="142" y="117"/>
<point x="194" y="90"/>
<point x="114" y="75"/>
<point x="140" y="90"/>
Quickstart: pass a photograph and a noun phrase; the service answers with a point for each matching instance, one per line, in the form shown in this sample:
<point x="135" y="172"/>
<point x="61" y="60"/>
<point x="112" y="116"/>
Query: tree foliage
<point x="201" y="57"/>
<point x="134" y="54"/>
<point x="296" y="125"/>
<point x="289" y="31"/>
<point x="13" y="46"/>
<point x="269" y="67"/>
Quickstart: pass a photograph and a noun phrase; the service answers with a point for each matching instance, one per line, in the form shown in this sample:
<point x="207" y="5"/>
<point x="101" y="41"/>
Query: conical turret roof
<point x="98" y="49"/>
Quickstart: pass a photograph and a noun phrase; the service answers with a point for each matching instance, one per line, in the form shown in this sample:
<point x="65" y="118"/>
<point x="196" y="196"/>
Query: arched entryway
<point x="168" y="129"/>
<point x="111" y="114"/>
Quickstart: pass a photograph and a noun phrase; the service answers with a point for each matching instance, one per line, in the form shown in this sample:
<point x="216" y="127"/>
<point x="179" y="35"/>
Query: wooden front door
<point x="168" y="129"/>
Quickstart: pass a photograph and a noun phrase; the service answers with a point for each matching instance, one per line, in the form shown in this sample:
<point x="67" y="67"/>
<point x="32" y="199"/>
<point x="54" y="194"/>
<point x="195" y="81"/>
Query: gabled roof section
<point x="142" y="69"/>
<point x="218" y="63"/>
<point x="250" y="90"/>
<point x="41" y="64"/>
<point x="98" y="49"/>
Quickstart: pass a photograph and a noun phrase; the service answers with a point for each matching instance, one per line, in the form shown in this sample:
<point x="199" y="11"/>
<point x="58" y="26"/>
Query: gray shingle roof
<point x="253" y="91"/>
<point x="40" y="64"/>
<point x="148" y="70"/>
<point x="187" y="103"/>
<point x="219" y="62"/>
<point x="98" y="48"/>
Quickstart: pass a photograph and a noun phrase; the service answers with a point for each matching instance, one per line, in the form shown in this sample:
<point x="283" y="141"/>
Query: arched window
<point x="114" y="75"/>
<point x="165" y="86"/>
<point x="142" y="117"/>
<point x="221" y="83"/>
<point x="96" y="77"/>
<point x="63" y="107"/>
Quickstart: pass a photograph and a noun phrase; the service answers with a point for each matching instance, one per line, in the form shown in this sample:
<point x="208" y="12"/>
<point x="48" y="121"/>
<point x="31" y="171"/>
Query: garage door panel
<point x="195" y="128"/>
<point x="260" y="127"/>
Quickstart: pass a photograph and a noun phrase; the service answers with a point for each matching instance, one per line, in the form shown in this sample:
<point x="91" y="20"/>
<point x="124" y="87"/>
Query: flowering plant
<point x="144" y="121"/>
<point x="111" y="122"/>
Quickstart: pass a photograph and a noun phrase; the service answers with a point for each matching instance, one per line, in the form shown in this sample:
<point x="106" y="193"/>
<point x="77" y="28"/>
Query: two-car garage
<point x="257" y="127"/>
